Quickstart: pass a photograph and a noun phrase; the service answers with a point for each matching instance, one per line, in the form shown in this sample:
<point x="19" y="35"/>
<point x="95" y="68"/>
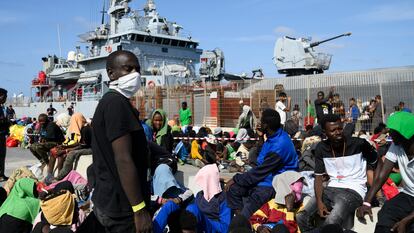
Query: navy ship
<point x="167" y="55"/>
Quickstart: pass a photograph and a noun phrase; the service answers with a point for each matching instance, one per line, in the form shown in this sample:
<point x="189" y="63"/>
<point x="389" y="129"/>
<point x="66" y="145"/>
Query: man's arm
<point x="323" y="211"/>
<point x="130" y="180"/>
<point x="381" y="175"/>
<point x="127" y="171"/>
<point x="288" y="106"/>
<point x="380" y="178"/>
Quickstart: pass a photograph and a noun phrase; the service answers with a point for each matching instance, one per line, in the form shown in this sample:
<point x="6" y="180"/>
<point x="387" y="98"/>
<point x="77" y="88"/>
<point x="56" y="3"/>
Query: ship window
<point x="174" y="43"/>
<point x="154" y="21"/>
<point x="166" y="41"/>
<point x="132" y="37"/>
<point x="189" y="45"/>
<point x="161" y="20"/>
<point x="139" y="38"/>
<point x="164" y="50"/>
<point x="119" y="48"/>
<point x="158" y="40"/>
<point x="65" y="66"/>
<point x="149" y="39"/>
<point x="117" y="39"/>
<point x="182" y="43"/>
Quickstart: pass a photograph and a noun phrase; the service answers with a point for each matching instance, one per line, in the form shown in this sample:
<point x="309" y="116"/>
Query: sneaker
<point x="180" y="162"/>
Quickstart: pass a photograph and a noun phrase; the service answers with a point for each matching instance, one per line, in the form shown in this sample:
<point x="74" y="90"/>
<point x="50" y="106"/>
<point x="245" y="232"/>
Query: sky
<point x="246" y="31"/>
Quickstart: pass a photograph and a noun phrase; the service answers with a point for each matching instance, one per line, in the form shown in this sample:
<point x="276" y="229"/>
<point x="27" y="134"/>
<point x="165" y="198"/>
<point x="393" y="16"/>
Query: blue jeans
<point x="341" y="203"/>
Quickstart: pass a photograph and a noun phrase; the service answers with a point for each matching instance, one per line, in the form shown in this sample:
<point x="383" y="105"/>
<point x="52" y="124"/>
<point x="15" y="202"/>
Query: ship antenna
<point x="60" y="47"/>
<point x="103" y="13"/>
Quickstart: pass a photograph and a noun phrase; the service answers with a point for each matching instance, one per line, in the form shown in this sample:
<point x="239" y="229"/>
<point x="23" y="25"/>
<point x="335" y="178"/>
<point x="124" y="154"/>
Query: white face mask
<point x="127" y="85"/>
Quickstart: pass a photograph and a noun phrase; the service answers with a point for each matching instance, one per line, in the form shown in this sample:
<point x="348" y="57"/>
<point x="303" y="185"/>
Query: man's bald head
<point x="120" y="63"/>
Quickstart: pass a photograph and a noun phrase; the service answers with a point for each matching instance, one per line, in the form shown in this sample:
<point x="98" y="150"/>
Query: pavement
<point x="18" y="157"/>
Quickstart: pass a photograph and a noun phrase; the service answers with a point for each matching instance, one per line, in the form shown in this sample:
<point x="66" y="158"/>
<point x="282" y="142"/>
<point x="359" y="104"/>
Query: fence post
<point x="220" y="99"/>
<point x="382" y="100"/>
<point x="205" y="101"/>
<point x="192" y="106"/>
<point x="158" y="98"/>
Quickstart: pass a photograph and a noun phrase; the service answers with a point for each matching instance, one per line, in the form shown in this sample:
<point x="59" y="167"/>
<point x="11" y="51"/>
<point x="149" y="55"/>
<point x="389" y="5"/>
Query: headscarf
<point x="77" y="121"/>
<point x="73" y="177"/>
<point x="282" y="185"/>
<point x="163" y="179"/>
<point x="208" y="179"/>
<point x="164" y="127"/>
<point x="63" y="120"/>
<point x="245" y="117"/>
<point x="59" y="210"/>
<point x="242" y="136"/>
<point x="21" y="202"/>
<point x="403" y="123"/>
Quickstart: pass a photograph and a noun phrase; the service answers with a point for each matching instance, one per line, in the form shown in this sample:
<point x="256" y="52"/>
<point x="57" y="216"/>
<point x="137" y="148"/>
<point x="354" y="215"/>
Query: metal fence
<point x="223" y="102"/>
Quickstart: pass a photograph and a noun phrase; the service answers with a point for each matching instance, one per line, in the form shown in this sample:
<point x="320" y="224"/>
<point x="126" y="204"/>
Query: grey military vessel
<point x="167" y="56"/>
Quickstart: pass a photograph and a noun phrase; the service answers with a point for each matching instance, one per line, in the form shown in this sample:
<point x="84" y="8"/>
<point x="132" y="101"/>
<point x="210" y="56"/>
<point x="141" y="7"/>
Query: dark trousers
<point x="11" y="224"/>
<point x="69" y="161"/>
<point x="2" y="154"/>
<point x="255" y="197"/>
<point x="341" y="203"/>
<point x="115" y="224"/>
<point x="394" y="211"/>
<point x="41" y="150"/>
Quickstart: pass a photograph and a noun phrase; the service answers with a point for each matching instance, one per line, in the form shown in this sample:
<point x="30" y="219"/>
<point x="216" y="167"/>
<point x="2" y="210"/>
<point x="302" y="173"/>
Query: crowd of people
<point x="288" y="172"/>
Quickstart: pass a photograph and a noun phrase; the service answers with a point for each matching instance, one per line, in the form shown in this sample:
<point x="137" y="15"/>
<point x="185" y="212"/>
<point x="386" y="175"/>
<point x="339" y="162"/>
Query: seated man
<point x="50" y="136"/>
<point x="282" y="209"/>
<point x="344" y="160"/>
<point x="277" y="155"/>
<point x="73" y="153"/>
<point x="397" y="214"/>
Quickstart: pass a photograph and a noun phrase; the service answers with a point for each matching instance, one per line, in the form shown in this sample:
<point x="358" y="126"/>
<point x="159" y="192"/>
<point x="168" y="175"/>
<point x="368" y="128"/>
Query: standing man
<point x="51" y="111"/>
<point x="281" y="108"/>
<point x="185" y="115"/>
<point x="397" y="214"/>
<point x="353" y="110"/>
<point x="322" y="105"/>
<point x="11" y="114"/>
<point x="4" y="131"/>
<point x="344" y="161"/>
<point x="120" y="153"/>
<point x="377" y="113"/>
<point x="276" y="156"/>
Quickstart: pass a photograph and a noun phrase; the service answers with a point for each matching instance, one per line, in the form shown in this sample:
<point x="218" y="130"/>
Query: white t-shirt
<point x="280" y="107"/>
<point x="397" y="154"/>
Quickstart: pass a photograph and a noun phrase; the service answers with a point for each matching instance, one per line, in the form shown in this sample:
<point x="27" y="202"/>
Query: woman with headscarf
<point x="210" y="207"/>
<point x="283" y="208"/>
<point x="247" y="119"/>
<point x="161" y="130"/>
<point x="20" y="208"/>
<point x="59" y="210"/>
